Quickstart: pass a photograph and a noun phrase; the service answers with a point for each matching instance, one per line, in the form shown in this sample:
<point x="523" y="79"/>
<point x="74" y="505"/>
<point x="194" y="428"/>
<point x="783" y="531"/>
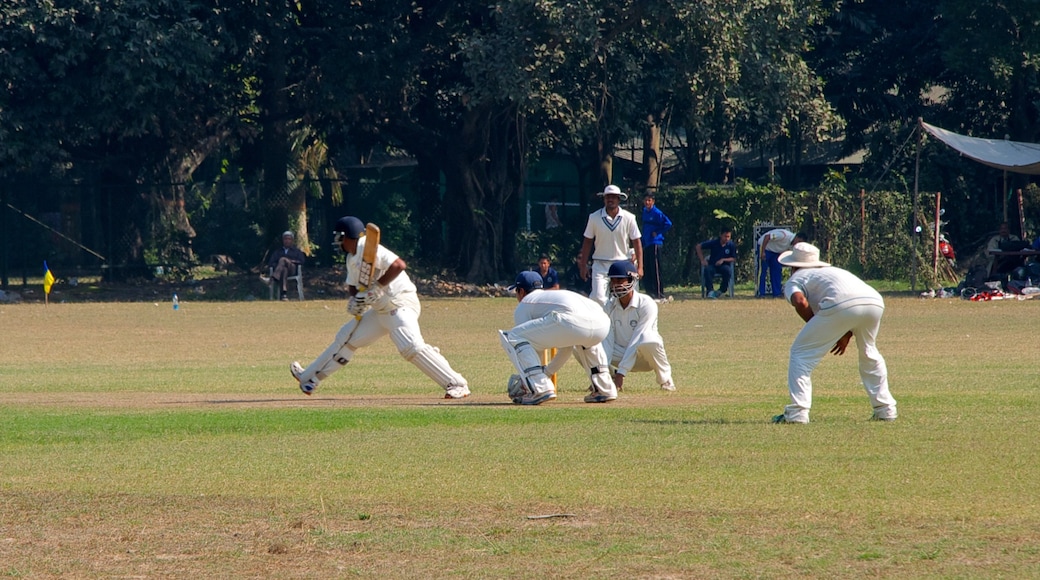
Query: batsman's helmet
<point x="622" y="269"/>
<point x="347" y="227"/>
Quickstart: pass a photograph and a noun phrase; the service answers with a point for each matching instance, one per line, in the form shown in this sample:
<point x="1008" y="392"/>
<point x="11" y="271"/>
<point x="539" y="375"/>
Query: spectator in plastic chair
<point x="722" y="254"/>
<point x="283" y="263"/>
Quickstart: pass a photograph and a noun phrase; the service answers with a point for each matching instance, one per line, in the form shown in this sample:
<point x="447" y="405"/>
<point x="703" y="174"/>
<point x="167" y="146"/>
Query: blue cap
<point x="527" y="281"/>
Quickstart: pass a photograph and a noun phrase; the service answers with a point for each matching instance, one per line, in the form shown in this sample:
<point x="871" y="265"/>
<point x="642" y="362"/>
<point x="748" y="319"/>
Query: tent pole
<point x="1004" y="195"/>
<point x="1021" y="216"/>
<point x="916" y="227"/>
<point x="935" y="244"/>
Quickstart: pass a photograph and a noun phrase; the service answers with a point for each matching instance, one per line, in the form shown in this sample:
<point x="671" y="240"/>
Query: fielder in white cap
<point x="836" y="306"/>
<point x="609" y="233"/>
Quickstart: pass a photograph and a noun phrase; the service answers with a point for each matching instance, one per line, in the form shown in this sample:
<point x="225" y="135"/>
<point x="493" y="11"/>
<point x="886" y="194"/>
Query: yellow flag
<point x="48" y="279"/>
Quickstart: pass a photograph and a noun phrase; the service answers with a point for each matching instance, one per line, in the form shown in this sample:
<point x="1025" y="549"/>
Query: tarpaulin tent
<point x="1013" y="156"/>
<point x="1003" y="154"/>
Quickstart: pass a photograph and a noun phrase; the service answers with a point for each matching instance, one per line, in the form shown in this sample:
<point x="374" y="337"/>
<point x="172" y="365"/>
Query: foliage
<point x="875" y="243"/>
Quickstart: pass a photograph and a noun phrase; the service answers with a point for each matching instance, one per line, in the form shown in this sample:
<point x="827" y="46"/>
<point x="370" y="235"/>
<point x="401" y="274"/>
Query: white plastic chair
<point x="272" y="288"/>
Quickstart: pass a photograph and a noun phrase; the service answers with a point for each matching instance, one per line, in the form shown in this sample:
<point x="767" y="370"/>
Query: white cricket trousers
<point x="817" y="338"/>
<point x="564" y="330"/>
<point x="600" y="291"/>
<point x="600" y="281"/>
<point x="650" y="356"/>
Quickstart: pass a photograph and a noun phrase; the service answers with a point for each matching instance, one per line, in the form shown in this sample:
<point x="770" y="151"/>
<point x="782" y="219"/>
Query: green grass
<point x="136" y="441"/>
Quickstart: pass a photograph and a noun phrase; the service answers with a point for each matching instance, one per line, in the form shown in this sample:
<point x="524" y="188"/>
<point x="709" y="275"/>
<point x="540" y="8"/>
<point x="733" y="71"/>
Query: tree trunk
<point x="483" y="178"/>
<point x="275" y="146"/>
<point x="652" y="153"/>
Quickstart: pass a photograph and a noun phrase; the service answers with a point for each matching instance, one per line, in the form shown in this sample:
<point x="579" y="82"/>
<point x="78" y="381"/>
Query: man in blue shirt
<point x="655" y="226"/>
<point x="721" y="258"/>
<point x="550" y="279"/>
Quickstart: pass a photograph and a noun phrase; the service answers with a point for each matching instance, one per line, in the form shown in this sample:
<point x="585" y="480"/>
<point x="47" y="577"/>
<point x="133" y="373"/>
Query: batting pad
<point x="433" y="364"/>
<point x="595" y="359"/>
<point x="526" y="360"/>
<point x="334" y="356"/>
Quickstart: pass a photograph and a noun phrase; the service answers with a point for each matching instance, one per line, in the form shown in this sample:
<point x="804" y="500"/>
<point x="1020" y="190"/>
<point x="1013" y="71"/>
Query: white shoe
<point x="297" y="370"/>
<point x="596" y="396"/>
<point x="456" y="392"/>
<point x="669" y="386"/>
<point x="537" y="398"/>
<point x="265" y="279"/>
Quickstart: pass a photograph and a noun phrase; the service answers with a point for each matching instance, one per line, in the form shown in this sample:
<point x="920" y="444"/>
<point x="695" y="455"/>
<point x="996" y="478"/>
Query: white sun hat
<point x="613" y="190"/>
<point x="802" y="255"/>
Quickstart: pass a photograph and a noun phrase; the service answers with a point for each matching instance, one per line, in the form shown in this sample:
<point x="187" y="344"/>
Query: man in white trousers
<point x="770" y="246"/>
<point x="609" y="234"/>
<point x="836" y="306"/>
<point x="559" y="319"/>
<point x="389" y="306"/>
<point x="634" y="345"/>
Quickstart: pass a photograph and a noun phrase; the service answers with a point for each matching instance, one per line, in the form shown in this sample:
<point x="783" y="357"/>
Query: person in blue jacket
<point x="655" y="225"/>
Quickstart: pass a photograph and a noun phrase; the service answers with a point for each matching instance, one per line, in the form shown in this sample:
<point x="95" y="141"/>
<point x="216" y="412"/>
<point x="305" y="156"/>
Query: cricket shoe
<point x="596" y="396"/>
<point x="876" y="417"/>
<point x="781" y="418"/>
<point x="456" y="392"/>
<point x="536" y="398"/>
<point x="669" y="386"/>
<point x="306" y="386"/>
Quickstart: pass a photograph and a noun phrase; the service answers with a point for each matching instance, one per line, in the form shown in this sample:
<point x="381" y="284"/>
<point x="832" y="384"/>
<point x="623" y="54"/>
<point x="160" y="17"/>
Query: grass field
<point x="139" y="442"/>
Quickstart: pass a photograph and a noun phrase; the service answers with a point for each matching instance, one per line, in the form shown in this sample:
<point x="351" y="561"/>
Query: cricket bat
<point x="368" y="258"/>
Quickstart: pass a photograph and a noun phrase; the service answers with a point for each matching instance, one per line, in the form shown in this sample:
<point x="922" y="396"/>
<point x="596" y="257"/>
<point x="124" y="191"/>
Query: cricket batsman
<point x="634" y="345"/>
<point x="383" y="301"/>
<point x="557" y="319"/>
<point x="836" y="306"/>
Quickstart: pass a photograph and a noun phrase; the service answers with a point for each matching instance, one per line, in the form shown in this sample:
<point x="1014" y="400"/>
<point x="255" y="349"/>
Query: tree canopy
<point x="160" y="92"/>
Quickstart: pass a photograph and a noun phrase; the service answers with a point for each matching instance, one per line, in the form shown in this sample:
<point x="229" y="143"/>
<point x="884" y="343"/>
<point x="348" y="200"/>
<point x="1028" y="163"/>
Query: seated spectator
<point x="283" y="263"/>
<point x="722" y="255"/>
<point x="1002" y="241"/>
<point x="550" y="279"/>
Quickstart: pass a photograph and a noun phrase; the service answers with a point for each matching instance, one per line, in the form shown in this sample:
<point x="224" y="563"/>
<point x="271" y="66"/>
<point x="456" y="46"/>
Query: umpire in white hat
<point x="836" y="306"/>
<point x="609" y="235"/>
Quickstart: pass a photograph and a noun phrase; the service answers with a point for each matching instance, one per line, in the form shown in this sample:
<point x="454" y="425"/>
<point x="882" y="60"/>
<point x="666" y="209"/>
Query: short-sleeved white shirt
<point x="831" y="288"/>
<point x="780" y="240"/>
<point x="611" y="234"/>
<point x="402" y="290"/>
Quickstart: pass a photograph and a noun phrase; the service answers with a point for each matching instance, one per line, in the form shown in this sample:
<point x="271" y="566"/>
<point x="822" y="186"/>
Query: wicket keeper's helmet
<point x="622" y="269"/>
<point x="347" y="227"/>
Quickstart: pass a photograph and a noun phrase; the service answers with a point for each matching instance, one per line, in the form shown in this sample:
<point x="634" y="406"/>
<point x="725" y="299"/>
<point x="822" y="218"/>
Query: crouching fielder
<point x="634" y="345"/>
<point x="836" y="306"/>
<point x="558" y="319"/>
<point x="389" y="306"/>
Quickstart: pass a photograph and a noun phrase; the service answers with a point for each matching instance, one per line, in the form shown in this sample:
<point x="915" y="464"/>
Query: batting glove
<point x="377" y="297"/>
<point x="356" y="306"/>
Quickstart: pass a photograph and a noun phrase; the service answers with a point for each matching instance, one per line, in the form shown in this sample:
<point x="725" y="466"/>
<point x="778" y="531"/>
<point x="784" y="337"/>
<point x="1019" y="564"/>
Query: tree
<point x="133" y="93"/>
